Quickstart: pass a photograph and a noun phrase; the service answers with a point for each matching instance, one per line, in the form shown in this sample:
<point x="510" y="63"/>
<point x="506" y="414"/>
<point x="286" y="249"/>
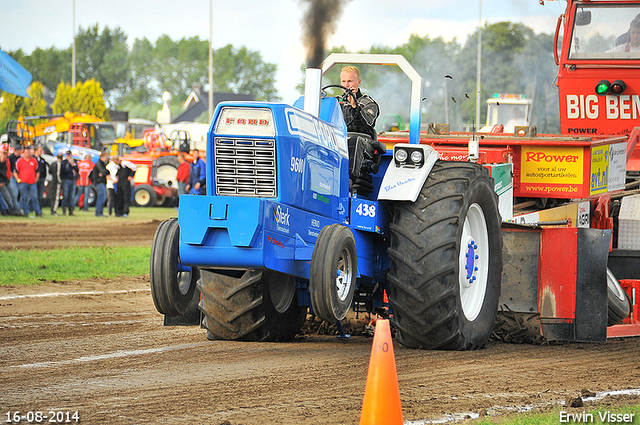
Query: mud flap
<point x="573" y="284"/>
<point x="560" y="274"/>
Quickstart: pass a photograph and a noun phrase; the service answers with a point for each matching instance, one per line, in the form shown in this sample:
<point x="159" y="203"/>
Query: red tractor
<point x="155" y="179"/>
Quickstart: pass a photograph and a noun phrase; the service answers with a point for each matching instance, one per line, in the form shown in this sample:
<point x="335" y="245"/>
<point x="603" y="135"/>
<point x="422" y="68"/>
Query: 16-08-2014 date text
<point x="37" y="416"/>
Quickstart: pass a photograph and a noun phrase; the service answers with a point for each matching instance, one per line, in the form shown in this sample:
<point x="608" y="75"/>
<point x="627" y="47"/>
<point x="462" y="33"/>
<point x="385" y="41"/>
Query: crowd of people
<point x="23" y="174"/>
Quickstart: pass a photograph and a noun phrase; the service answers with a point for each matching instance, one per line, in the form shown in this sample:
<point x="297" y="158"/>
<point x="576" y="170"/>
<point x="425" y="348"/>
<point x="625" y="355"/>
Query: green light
<point x="602" y="88"/>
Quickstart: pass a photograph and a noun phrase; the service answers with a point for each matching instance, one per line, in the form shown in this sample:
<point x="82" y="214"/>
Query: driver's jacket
<point x="361" y="119"/>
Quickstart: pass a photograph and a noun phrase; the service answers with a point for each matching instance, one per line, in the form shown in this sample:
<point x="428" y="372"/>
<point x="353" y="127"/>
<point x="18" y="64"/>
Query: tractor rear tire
<point x="332" y="278"/>
<point x="144" y="196"/>
<point x="171" y="289"/>
<point x="619" y="305"/>
<point x="250" y="306"/>
<point x="165" y="170"/>
<point x="446" y="260"/>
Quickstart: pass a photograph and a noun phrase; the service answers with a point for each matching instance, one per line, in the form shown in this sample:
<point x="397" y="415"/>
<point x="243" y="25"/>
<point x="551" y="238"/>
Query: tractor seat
<point x="364" y="161"/>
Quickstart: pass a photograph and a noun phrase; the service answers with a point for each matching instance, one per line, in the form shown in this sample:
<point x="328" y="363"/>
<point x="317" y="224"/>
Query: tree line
<point x="135" y="77"/>
<point x="515" y="60"/>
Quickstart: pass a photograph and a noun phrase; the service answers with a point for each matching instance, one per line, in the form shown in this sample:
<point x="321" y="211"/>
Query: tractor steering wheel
<point x="344" y="97"/>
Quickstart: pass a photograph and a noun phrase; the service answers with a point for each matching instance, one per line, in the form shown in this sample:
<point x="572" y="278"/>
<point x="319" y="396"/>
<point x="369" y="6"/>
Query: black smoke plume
<point x="319" y="22"/>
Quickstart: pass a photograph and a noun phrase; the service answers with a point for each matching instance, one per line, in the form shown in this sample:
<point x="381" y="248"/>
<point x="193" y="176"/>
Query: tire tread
<point x="424" y="258"/>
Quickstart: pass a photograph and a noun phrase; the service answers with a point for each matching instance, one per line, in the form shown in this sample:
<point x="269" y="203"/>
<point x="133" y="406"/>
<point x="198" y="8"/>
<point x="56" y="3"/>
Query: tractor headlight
<point x="416" y="156"/>
<point x="401" y="155"/>
<point x="408" y="156"/>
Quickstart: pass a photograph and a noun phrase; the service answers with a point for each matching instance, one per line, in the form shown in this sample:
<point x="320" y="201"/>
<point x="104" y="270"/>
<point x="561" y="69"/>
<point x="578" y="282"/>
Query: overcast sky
<point x="271" y="27"/>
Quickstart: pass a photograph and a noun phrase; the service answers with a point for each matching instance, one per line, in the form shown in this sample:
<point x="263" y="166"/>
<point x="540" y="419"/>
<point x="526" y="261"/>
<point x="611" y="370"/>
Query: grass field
<point x="29" y="267"/>
<point x="135" y="213"/>
<point x="21" y="267"/>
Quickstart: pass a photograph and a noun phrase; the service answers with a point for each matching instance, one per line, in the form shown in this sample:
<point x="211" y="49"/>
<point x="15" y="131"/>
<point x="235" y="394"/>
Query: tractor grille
<point x="245" y="167"/>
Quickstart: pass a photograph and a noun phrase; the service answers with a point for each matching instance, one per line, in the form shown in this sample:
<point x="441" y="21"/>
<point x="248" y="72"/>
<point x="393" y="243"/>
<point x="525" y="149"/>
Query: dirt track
<point x="104" y="353"/>
<point x="65" y="231"/>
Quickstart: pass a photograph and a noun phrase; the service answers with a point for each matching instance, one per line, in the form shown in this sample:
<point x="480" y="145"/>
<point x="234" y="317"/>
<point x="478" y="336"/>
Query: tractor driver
<point x="360" y="113"/>
<point x="633" y="42"/>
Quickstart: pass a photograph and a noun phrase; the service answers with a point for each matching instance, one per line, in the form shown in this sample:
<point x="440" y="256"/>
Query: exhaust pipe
<point x="312" y="87"/>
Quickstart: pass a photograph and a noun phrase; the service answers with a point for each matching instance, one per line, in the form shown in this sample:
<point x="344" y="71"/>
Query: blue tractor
<point x="300" y="215"/>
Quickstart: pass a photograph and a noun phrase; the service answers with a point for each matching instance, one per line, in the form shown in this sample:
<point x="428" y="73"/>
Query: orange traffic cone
<point x="381" y="403"/>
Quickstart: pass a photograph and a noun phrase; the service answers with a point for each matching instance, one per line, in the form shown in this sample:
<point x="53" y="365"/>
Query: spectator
<point x="123" y="188"/>
<point x="83" y="183"/>
<point x="4" y="181"/>
<point x="112" y="178"/>
<point x="56" y="184"/>
<point x="184" y="170"/>
<point x="68" y="175"/>
<point x="13" y="183"/>
<point x="4" y="208"/>
<point x="5" y="191"/>
<point x="198" y="176"/>
<point x="43" y="168"/>
<point x="99" y="176"/>
<point x="26" y="175"/>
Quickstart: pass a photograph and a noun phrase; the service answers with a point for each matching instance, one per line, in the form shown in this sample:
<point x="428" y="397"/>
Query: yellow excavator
<point x="83" y="130"/>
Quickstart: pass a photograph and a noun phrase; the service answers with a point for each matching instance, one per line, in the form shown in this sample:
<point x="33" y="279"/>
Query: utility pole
<point x="210" y="60"/>
<point x="446" y="100"/>
<point x="73" y="50"/>
<point x="479" y="68"/>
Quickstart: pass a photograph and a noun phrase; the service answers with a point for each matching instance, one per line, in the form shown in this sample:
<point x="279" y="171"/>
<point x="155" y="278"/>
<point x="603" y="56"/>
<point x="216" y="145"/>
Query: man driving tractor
<point x="361" y="112"/>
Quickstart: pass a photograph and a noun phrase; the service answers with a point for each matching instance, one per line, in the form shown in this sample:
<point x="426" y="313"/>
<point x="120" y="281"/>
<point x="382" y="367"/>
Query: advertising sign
<point x="608" y="168"/>
<point x="554" y="171"/>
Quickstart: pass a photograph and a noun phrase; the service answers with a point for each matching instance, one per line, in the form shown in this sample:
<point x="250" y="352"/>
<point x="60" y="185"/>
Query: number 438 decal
<point x="366" y="210"/>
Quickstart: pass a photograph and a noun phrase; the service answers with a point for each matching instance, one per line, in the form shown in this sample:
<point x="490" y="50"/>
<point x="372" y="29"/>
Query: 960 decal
<point x="297" y="165"/>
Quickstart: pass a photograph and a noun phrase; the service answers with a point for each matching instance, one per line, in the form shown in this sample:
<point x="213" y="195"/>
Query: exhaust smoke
<point x="319" y="22"/>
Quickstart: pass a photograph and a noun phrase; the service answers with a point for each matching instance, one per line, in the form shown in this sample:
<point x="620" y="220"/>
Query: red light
<point x="618" y="87"/>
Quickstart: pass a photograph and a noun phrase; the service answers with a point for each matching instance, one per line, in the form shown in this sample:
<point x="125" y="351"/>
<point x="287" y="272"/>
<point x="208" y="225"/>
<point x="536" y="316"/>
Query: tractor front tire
<point x="332" y="278"/>
<point x="172" y="288"/>
<point x="446" y="260"/>
<point x="252" y="305"/>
